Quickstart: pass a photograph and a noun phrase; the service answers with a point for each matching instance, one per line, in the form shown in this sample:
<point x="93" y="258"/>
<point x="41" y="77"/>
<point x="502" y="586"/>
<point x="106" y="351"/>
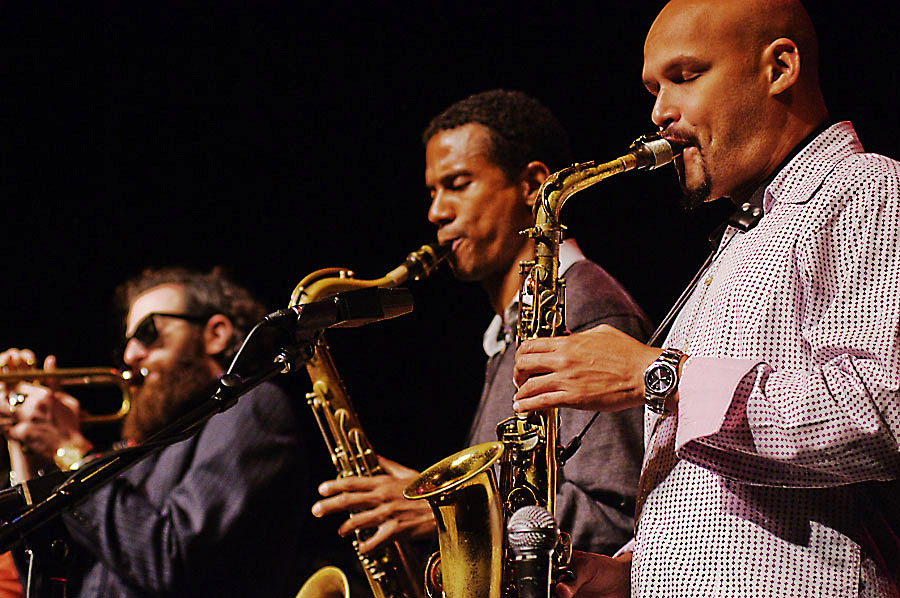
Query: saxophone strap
<point x="743" y="219"/>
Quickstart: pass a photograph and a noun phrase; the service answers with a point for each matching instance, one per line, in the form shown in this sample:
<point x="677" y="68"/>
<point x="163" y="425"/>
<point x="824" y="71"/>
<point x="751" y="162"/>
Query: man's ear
<point x="217" y="334"/>
<point x="781" y="63"/>
<point x="533" y="176"/>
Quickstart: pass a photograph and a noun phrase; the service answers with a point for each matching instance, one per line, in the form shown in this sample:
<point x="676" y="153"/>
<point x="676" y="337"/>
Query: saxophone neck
<point x="326" y="282"/>
<point x="647" y="152"/>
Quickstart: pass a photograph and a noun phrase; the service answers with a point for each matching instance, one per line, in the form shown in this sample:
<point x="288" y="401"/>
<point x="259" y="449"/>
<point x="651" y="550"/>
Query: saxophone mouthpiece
<point x="422" y="263"/>
<point x="652" y="151"/>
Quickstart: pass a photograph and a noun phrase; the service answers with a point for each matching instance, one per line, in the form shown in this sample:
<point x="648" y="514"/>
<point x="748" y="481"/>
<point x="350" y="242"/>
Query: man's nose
<point x="440" y="210"/>
<point x="134" y="352"/>
<point x="665" y="112"/>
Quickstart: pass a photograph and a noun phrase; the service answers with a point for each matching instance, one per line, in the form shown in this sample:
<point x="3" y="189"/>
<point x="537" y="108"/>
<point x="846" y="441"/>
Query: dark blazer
<point x="219" y="514"/>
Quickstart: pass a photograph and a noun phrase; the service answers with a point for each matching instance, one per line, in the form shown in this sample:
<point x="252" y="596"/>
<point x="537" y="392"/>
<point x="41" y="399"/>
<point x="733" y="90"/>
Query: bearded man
<point x="216" y="514"/>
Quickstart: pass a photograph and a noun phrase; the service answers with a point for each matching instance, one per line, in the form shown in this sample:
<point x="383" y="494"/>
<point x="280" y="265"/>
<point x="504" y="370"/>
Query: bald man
<point x="773" y="414"/>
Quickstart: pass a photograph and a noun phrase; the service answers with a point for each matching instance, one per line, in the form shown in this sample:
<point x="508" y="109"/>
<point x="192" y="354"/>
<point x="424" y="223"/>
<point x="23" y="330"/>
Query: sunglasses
<point x="146" y="332"/>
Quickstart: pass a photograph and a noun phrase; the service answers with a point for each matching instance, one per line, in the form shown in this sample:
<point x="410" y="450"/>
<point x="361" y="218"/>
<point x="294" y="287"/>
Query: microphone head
<point x="532" y="529"/>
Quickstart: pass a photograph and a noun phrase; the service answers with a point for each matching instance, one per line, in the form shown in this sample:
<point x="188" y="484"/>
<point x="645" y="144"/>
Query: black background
<point x="276" y="140"/>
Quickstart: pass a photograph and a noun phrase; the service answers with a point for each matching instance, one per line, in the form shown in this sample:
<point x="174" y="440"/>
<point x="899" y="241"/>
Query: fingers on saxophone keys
<point x="385" y="532"/>
<point x="348" y="484"/>
<point x="544" y="400"/>
<point x="334" y="504"/>
<point x="366" y="519"/>
<point x="341" y="503"/>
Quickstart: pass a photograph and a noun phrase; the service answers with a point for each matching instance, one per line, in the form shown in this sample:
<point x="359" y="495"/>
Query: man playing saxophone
<point x="774" y="410"/>
<point x="217" y="514"/>
<point x="486" y="156"/>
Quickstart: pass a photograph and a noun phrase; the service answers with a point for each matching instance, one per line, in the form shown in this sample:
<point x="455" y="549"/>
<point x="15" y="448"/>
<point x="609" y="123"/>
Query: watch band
<point x="656" y="402"/>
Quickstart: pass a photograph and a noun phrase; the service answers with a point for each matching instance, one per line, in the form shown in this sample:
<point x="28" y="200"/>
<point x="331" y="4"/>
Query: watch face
<point x="660" y="379"/>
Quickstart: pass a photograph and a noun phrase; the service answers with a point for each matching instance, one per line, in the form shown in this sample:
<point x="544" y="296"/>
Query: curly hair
<point x="521" y="129"/>
<point x="205" y="294"/>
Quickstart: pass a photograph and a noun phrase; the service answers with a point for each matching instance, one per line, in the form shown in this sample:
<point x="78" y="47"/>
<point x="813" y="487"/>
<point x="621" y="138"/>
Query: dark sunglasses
<point x="146" y="333"/>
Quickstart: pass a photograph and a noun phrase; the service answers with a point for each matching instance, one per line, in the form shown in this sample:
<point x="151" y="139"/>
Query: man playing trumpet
<point x="216" y="514"/>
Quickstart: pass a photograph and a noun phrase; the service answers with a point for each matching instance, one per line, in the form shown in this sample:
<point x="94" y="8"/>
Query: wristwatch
<point x="661" y="380"/>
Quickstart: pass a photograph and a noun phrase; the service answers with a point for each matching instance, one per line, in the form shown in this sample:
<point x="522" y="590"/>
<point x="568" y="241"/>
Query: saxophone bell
<point x="327" y="582"/>
<point x="462" y="491"/>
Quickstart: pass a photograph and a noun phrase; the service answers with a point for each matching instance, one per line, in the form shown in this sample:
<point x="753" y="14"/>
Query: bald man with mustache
<point x="773" y="406"/>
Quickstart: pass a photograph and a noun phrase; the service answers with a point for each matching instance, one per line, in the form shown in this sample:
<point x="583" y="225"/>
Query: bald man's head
<point x="753" y="24"/>
<point x="737" y="83"/>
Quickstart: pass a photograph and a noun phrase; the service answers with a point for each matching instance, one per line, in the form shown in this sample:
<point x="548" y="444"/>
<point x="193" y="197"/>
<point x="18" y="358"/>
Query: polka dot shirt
<point x="789" y="405"/>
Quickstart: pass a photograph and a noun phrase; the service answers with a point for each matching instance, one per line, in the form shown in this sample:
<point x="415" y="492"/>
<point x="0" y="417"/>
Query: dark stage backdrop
<point x="276" y="140"/>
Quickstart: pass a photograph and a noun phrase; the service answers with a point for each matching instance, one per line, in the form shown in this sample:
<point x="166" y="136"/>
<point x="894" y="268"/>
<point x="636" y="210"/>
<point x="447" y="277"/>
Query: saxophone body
<point x="527" y="451"/>
<point x="391" y="571"/>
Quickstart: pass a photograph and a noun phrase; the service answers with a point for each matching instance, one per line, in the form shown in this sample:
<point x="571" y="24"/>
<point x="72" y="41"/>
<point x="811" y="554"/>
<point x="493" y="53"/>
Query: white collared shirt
<point x="495" y="340"/>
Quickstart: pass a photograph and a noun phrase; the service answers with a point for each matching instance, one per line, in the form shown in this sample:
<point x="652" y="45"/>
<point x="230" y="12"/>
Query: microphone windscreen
<point x="532" y="528"/>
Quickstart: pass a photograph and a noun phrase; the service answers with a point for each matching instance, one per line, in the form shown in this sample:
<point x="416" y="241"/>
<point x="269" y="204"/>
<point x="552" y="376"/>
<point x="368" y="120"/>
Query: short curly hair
<point x="206" y="294"/>
<point x="522" y="129"/>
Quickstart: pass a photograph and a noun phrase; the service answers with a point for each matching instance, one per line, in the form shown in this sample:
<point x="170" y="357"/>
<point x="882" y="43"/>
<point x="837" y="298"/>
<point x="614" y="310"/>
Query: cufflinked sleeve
<point x="837" y="420"/>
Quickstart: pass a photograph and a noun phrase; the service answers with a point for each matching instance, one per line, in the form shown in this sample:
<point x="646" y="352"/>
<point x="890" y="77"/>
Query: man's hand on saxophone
<point x="377" y="503"/>
<point x="601" y="369"/>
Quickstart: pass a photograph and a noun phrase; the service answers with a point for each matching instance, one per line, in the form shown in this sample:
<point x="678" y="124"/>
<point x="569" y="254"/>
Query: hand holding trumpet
<point x="37" y="421"/>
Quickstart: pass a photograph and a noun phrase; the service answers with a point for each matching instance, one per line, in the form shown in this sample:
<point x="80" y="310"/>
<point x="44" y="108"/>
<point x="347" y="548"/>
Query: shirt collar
<point x="758" y="197"/>
<point x="805" y="172"/>
<point x="500" y="332"/>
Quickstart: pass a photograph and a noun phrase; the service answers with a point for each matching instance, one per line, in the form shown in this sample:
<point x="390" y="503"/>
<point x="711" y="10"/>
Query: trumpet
<point x="88" y="376"/>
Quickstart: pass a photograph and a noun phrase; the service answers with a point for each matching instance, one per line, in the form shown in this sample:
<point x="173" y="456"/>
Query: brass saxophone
<point x="391" y="571"/>
<point x="463" y="492"/>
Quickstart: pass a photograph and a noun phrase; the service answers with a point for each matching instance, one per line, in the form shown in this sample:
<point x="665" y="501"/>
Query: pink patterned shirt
<point x="790" y="400"/>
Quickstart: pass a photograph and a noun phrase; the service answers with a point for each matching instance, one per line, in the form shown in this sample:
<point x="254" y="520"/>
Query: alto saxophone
<point x="471" y="506"/>
<point x="391" y="571"/>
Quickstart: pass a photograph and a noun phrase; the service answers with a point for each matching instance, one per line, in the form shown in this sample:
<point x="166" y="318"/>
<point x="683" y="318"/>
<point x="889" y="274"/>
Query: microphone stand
<point x="293" y="331"/>
<point x="88" y="478"/>
<point x="744" y="218"/>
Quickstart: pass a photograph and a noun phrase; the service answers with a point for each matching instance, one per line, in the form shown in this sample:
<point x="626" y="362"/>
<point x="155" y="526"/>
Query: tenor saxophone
<point x="471" y="506"/>
<point x="391" y="571"/>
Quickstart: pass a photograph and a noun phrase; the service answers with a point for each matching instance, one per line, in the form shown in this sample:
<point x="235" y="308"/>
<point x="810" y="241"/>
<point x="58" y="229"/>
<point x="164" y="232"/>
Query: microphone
<point x="344" y="310"/>
<point x="299" y="325"/>
<point x="532" y="535"/>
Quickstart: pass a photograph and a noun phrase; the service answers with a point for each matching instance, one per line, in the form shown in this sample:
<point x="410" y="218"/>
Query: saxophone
<point x="391" y="571"/>
<point x="464" y="494"/>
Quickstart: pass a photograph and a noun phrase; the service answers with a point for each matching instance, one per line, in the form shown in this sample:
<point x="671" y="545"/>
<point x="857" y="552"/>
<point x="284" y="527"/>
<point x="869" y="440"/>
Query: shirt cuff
<point x="705" y="392"/>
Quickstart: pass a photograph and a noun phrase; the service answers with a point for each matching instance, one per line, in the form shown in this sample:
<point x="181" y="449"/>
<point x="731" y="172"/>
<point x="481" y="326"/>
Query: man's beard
<point x="692" y="199"/>
<point x="159" y="402"/>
